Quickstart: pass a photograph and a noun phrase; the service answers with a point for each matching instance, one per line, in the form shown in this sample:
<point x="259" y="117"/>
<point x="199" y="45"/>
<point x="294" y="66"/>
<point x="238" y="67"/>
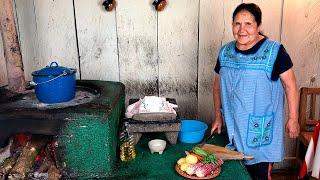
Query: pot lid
<point x="54" y="70"/>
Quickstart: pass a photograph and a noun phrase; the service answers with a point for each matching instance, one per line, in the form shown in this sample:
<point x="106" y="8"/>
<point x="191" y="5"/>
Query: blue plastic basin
<point x="192" y="131"/>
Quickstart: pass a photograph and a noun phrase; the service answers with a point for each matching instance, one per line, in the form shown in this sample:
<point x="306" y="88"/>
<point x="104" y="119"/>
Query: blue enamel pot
<point x="54" y="83"/>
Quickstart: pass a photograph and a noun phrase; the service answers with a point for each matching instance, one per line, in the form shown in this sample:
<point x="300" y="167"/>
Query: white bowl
<point x="157" y="145"/>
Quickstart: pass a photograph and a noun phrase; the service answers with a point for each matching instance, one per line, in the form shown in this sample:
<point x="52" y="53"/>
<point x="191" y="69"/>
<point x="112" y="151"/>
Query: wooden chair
<point x="309" y="112"/>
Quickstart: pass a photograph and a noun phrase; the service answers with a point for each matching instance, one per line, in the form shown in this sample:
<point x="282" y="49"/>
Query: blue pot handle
<point x="54" y="63"/>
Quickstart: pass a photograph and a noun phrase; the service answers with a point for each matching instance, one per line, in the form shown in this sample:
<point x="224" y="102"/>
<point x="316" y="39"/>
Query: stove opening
<point x="29" y="156"/>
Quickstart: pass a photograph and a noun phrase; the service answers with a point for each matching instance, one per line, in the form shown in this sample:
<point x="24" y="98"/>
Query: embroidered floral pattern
<point x="259" y="130"/>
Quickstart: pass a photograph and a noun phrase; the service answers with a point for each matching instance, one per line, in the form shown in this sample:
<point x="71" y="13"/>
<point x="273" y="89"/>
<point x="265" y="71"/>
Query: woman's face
<point x="245" y="30"/>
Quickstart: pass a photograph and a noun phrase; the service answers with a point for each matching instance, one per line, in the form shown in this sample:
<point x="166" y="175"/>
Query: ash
<point x="28" y="100"/>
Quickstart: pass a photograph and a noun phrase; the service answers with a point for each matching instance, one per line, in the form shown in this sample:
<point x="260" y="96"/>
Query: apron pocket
<point x="259" y="130"/>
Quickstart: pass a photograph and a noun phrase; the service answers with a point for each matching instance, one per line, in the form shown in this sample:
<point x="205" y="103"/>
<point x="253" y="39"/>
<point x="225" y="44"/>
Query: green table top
<point x="156" y="166"/>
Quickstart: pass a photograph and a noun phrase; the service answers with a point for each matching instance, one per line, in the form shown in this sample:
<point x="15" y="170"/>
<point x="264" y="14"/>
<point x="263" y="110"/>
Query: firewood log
<point x="53" y="173"/>
<point x="44" y="165"/>
<point x="6" y="151"/>
<point x="6" y="166"/>
<point x="26" y="158"/>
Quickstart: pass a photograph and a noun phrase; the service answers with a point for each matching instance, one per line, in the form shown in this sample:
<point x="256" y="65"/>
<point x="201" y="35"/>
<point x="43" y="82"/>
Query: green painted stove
<point x="87" y="143"/>
<point x="85" y="134"/>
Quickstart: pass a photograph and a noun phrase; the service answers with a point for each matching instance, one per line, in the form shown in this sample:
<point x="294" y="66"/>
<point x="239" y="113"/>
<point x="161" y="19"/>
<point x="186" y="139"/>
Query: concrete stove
<point x="86" y="128"/>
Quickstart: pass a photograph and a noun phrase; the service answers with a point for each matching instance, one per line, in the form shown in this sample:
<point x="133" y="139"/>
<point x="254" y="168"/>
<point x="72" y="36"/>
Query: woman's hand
<point x="292" y="128"/>
<point x="289" y="82"/>
<point x="216" y="125"/>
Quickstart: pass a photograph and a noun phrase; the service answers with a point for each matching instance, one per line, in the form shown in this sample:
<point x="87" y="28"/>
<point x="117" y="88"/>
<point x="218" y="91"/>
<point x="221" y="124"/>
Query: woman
<point x="253" y="74"/>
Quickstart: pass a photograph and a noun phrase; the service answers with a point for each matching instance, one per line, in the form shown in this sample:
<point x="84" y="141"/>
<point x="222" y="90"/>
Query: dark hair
<point x="251" y="8"/>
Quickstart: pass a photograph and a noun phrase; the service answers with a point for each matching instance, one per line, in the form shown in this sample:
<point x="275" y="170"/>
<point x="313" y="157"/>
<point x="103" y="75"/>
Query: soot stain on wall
<point x="141" y="88"/>
<point x="146" y="48"/>
<point x="179" y="88"/>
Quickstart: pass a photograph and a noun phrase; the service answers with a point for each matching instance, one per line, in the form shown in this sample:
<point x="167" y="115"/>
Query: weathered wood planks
<point x="137" y="46"/>
<point x="215" y="29"/>
<point x="301" y="37"/>
<point x="97" y="38"/>
<point x="47" y="33"/>
<point x="178" y="54"/>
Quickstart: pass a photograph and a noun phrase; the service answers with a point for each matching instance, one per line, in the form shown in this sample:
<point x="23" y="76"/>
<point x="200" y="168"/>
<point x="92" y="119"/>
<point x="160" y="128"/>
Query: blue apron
<point x="252" y="104"/>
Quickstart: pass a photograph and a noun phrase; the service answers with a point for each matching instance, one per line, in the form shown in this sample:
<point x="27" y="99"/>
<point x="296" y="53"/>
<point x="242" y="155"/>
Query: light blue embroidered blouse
<point x="252" y="104"/>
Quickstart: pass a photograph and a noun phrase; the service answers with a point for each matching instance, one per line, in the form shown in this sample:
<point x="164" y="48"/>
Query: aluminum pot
<point x="54" y="83"/>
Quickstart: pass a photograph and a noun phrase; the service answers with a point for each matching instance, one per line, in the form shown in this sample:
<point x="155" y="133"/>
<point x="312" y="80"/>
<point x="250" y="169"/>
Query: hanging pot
<point x="54" y="83"/>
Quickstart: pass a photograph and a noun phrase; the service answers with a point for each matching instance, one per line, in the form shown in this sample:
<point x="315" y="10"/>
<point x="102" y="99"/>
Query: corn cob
<point x="193" y="167"/>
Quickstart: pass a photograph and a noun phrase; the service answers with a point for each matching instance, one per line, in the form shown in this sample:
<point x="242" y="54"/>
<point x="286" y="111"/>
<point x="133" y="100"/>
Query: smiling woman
<point x="245" y="30"/>
<point x="250" y="93"/>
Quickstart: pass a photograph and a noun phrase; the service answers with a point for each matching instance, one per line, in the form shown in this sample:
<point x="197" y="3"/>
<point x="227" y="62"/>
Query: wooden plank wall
<point x="301" y="35"/>
<point x="170" y="53"/>
<point x="214" y="31"/>
<point x="47" y="33"/>
<point x="137" y="45"/>
<point x="97" y="40"/>
<point x="178" y="52"/>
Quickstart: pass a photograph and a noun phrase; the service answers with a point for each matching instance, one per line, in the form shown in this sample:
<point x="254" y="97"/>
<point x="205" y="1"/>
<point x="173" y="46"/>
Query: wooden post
<point x="12" y="54"/>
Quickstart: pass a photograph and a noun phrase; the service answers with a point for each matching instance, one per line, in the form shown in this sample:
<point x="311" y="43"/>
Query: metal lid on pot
<point x="54" y="70"/>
